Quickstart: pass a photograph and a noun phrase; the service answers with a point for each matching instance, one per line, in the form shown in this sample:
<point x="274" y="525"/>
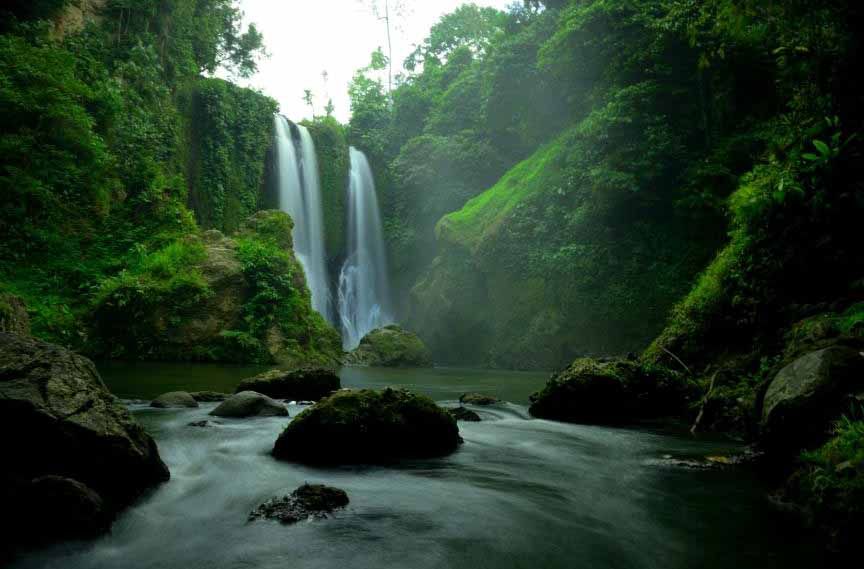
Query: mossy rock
<point x="13" y="315"/>
<point x="208" y="297"/>
<point x="612" y="392"/>
<point x="306" y="384"/>
<point x="391" y="346"/>
<point x="366" y="426"/>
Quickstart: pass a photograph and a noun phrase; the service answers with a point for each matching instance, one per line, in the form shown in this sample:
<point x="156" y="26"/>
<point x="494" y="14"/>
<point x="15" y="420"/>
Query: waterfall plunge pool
<point x="520" y="493"/>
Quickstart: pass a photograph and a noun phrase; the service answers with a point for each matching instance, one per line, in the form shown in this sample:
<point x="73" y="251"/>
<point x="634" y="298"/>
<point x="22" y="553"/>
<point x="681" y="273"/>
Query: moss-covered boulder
<point x="808" y="395"/>
<point x="175" y="400"/>
<point x="13" y="315"/>
<point x="209" y="297"/>
<point x="612" y="392"/>
<point x="391" y="346"/>
<point x="365" y="426"/>
<point x="482" y="399"/>
<point x="304" y="384"/>
<point x="58" y="419"/>
<point x="249" y="404"/>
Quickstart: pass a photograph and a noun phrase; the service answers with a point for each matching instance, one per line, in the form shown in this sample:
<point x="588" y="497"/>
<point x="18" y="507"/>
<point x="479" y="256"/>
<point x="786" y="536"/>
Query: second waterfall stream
<point x="364" y="290"/>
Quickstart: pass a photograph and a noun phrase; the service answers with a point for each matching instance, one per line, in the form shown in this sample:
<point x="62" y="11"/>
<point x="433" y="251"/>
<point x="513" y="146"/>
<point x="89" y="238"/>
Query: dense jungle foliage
<point x="115" y="149"/>
<point x="633" y="136"/>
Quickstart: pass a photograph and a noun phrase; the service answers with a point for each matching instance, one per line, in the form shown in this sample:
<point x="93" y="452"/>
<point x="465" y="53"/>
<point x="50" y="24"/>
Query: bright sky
<point x="307" y="37"/>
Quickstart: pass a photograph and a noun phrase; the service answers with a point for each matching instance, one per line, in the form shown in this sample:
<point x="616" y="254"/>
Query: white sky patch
<point x="307" y="37"/>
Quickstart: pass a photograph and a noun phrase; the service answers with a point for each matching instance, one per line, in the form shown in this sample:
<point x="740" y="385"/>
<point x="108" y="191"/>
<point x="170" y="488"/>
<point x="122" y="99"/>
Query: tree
<point x="386" y="10"/>
<point x="309" y="99"/>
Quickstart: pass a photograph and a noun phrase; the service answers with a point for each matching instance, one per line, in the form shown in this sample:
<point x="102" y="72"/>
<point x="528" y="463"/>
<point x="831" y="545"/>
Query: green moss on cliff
<point x="230" y="130"/>
<point x="331" y="145"/>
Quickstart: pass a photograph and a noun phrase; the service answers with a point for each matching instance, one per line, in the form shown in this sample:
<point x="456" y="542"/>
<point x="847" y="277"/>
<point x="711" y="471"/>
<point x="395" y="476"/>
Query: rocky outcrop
<point x="365" y="426"/>
<point x="175" y="400"/>
<point x="463" y="414"/>
<point x="249" y="404"/>
<point x="806" y="396"/>
<point x="308" y="501"/>
<point x="58" y="420"/>
<point x="208" y="396"/>
<point x="612" y="392"/>
<point x="477" y="399"/>
<point x="391" y="346"/>
<point x="13" y="315"/>
<point x="200" y="311"/>
<point x="305" y="384"/>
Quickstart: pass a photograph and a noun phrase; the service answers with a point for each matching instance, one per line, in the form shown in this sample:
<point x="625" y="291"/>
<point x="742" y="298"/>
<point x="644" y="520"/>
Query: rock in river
<point x="249" y="404"/>
<point x="305" y="384"/>
<point x="175" y="400"/>
<point x="463" y="414"/>
<point x="367" y="426"/>
<point x="807" y="395"/>
<point x="307" y="501"/>
<point x="57" y="419"/>
<point x="391" y="346"/>
<point x="477" y="399"/>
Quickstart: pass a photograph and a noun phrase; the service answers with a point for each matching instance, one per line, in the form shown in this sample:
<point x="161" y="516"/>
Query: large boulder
<point x="806" y="396"/>
<point x="175" y="400"/>
<point x="306" y="384"/>
<point x="367" y="426"/>
<point x="391" y="346"/>
<point x="58" y="419"/>
<point x="249" y="404"/>
<point x="481" y="399"/>
<point x="13" y="315"/>
<point x="308" y="501"/>
<point x="612" y="392"/>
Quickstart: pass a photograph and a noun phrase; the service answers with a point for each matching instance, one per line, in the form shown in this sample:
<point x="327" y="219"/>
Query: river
<point x="520" y="493"/>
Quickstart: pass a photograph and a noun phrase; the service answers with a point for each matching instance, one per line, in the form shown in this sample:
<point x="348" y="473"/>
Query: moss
<point x="391" y="346"/>
<point x="830" y="484"/>
<point x="230" y="130"/>
<point x="612" y="392"/>
<point x="366" y="426"/>
<point x="559" y="259"/>
<point x="331" y="145"/>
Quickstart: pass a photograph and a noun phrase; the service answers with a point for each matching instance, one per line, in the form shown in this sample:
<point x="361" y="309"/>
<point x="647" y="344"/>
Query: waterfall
<point x="364" y="293"/>
<point x="300" y="197"/>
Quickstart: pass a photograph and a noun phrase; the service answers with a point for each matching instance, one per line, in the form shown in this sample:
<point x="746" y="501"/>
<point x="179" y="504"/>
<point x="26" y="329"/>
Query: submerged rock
<point x="305" y="384"/>
<point x="250" y="404"/>
<point x="209" y="396"/>
<point x="368" y="426"/>
<point x="307" y="501"/>
<point x="612" y="392"/>
<point x="477" y="399"/>
<point x="174" y="400"/>
<point x="463" y="414"/>
<point x="202" y="424"/>
<point x="58" y="419"/>
<point x="806" y="396"/>
<point x="391" y="346"/>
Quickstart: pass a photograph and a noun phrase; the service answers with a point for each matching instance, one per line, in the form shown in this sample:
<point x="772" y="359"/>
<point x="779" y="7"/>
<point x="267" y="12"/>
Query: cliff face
<point x="545" y="266"/>
<point x="74" y="16"/>
<point x="209" y="297"/>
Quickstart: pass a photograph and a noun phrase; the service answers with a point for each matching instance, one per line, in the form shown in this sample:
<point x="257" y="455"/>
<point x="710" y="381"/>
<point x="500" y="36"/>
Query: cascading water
<point x="300" y="197"/>
<point x="364" y="292"/>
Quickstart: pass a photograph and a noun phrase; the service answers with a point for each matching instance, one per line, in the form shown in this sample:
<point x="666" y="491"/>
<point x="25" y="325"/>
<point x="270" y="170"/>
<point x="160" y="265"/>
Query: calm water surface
<point x="520" y="493"/>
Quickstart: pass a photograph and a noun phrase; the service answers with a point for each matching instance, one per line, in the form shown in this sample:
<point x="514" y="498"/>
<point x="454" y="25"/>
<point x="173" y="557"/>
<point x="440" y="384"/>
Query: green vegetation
<point x="113" y="144"/>
<point x="230" y="131"/>
<point x="832" y="484"/>
<point x="331" y="145"/>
